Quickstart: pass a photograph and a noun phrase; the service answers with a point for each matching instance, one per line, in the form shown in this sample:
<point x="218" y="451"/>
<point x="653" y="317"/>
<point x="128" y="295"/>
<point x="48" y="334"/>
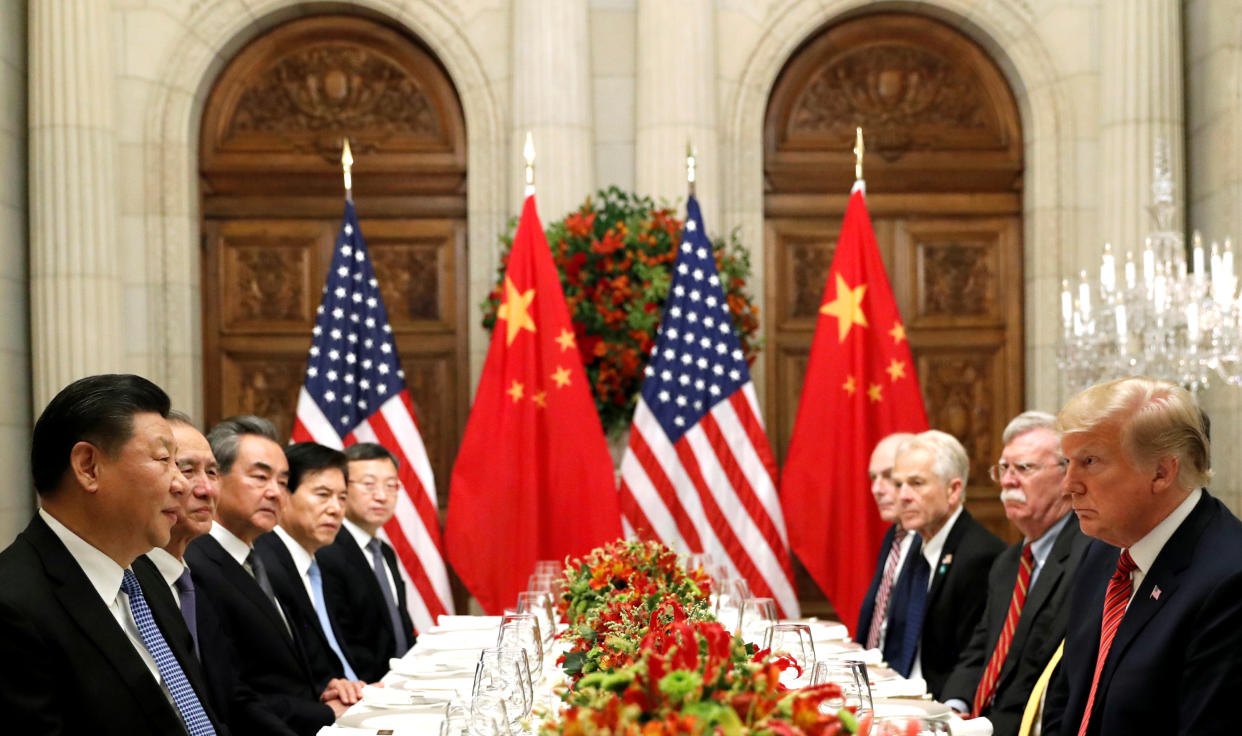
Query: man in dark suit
<point x="938" y="599"/>
<point x="361" y="577"/>
<point x="894" y="547"/>
<point x="235" y="702"/>
<point x="1155" y="627"/>
<point x="253" y="473"/>
<point x="86" y="647"/>
<point x="310" y="520"/>
<point x="1028" y="587"/>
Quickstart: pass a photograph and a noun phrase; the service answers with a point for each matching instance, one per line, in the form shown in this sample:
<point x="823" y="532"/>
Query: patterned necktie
<point x="1115" y="602"/>
<point x="321" y="610"/>
<point x="185" y="591"/>
<point x="183" y="695"/>
<point x="991" y="675"/>
<point x="390" y="601"/>
<point x="880" y="613"/>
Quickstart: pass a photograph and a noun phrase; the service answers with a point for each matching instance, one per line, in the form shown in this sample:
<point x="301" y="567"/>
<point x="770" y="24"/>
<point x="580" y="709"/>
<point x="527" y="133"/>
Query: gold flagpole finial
<point x="347" y="163"/>
<point x="859" y="149"/>
<point x="528" y="153"/>
<point x="691" y="162"/>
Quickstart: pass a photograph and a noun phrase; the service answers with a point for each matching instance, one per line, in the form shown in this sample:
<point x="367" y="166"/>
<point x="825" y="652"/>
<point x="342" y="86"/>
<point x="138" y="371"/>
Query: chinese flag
<point x="859" y="387"/>
<point x="533" y="479"/>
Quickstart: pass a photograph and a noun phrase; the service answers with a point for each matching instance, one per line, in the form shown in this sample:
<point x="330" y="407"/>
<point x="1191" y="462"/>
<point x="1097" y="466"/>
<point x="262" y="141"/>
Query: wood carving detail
<point x="409" y="277"/>
<point x="268" y="284"/>
<point x="426" y="378"/>
<point x="956" y="279"/>
<point x="905" y="97"/>
<point x="809" y="263"/>
<point x="958" y="394"/>
<point x="269" y="388"/>
<point x="323" y="89"/>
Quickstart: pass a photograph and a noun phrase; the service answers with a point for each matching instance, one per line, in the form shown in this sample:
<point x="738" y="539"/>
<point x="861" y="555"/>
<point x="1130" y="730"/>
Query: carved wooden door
<point x="944" y="180"/>
<point x="272" y="202"/>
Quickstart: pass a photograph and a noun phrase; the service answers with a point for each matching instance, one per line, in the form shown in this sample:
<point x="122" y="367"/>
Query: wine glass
<point x="733" y="594"/>
<point x="522" y="630"/>
<point x="456" y="719"/>
<point x="757" y="615"/>
<point x="488" y="715"/>
<point x="499" y="675"/>
<point x="901" y="726"/>
<point x="539" y="602"/>
<point x="851" y="676"/>
<point x="501" y="660"/>
<point x="549" y="567"/>
<point x="793" y="640"/>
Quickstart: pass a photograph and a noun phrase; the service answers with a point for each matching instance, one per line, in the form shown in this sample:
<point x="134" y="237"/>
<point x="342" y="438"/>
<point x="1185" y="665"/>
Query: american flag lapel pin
<point x="1155" y="592"/>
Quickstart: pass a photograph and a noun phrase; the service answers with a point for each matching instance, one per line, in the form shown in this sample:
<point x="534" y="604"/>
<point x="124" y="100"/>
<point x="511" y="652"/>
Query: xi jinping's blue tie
<point x="183" y="695"/>
<point x="321" y="610"/>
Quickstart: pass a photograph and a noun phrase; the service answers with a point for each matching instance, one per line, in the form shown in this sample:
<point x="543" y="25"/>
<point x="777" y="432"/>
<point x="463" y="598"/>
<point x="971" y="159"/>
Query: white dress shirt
<point x="232" y="544"/>
<point x="931" y="552"/>
<point x="1146" y="550"/>
<point x="363" y="539"/>
<point x="105" y="577"/>
<point x="170" y="569"/>
<point x="301" y="560"/>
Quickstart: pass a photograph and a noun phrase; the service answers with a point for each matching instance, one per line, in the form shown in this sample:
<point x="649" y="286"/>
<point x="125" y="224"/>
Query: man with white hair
<point x="1029" y="584"/>
<point x="939" y="596"/>
<point x="1155" y="620"/>
<point x="894" y="548"/>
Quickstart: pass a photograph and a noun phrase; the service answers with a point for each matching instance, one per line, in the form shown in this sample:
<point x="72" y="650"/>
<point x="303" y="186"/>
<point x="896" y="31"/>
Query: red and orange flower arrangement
<point x="648" y="659"/>
<point x="615" y="258"/>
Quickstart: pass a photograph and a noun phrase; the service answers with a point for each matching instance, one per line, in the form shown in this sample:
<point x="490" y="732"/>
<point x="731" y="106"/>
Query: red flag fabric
<point x="533" y="479"/>
<point x="859" y="387"/>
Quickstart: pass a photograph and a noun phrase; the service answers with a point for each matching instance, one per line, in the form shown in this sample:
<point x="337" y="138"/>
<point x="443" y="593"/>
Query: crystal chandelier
<point x="1155" y="315"/>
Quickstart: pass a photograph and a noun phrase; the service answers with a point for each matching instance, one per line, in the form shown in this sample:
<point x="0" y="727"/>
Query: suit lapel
<point x="390" y="556"/>
<point x="241" y="580"/>
<point x="1050" y="578"/>
<point x="944" y="565"/>
<point x="83" y="604"/>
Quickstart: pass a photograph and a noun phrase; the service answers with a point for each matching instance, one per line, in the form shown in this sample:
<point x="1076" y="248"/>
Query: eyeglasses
<point x="1024" y="470"/>
<point x="373" y="486"/>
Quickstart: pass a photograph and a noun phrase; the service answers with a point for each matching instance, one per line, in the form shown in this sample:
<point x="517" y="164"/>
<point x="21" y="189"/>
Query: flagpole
<point x="347" y="162"/>
<point x="859" y="149"/>
<point x="528" y="153"/>
<point x="690" y="167"/>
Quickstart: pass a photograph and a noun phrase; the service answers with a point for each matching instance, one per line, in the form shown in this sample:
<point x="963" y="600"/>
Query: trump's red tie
<point x="1115" y="602"/>
<point x="987" y="685"/>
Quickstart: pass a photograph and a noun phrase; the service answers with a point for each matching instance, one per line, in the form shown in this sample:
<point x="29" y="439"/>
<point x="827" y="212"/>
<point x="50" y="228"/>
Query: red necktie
<point x="1115" y="602"/>
<point x="886" y="589"/>
<point x="987" y="685"/>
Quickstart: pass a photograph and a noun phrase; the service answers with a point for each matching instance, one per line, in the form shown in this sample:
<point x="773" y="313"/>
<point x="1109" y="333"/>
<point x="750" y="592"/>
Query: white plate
<point x="885" y="707"/>
<point x="403" y="721"/>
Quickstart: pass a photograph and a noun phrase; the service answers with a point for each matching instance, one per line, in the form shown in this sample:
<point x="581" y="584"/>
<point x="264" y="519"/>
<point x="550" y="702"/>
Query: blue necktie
<point x="183" y="695"/>
<point x="321" y="610"/>
<point x="377" y="563"/>
<point x="185" y="589"/>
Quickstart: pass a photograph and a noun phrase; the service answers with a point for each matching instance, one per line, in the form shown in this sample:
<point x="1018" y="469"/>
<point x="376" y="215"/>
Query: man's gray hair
<point x="225" y="438"/>
<point x="179" y="417"/>
<point x="1028" y="421"/>
<point x="949" y="458"/>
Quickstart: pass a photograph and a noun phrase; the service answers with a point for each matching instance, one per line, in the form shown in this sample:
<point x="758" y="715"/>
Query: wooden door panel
<point x="416" y="266"/>
<point x="265" y="274"/>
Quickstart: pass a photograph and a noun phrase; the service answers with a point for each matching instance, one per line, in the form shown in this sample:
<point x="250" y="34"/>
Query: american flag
<point x="355" y="392"/>
<point x="699" y="474"/>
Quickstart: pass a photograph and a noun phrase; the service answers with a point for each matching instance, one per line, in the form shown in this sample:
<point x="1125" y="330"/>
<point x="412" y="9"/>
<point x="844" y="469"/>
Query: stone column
<point x="552" y="100"/>
<point x="676" y="102"/>
<point x="1141" y="102"/>
<point x="75" y="285"/>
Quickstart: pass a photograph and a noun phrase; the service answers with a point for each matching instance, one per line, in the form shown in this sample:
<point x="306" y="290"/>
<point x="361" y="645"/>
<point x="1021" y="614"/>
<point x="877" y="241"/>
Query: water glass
<point x="851" y="676"/>
<point x="549" y="567"/>
<point x="728" y="604"/>
<point x="522" y="630"/>
<point x="488" y="715"/>
<point x="456" y="719"/>
<point x="793" y="640"/>
<point x="758" y="614"/>
<point x="540" y="603"/>
<point x="902" y="726"/>
<point x="499" y="678"/>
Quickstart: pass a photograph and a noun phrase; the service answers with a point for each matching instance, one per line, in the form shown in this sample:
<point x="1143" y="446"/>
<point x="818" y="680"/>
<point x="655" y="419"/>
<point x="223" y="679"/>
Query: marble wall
<point x="16" y="492"/>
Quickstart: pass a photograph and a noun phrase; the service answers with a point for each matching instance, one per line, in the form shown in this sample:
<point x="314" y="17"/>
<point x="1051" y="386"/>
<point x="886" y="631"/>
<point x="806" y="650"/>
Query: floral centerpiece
<point x="615" y="257"/>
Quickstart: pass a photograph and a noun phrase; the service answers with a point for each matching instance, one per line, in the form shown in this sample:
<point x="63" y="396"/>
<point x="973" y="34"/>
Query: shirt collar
<point x="1042" y="547"/>
<point x="103" y="572"/>
<point x="1145" y="551"/>
<point x="932" y="549"/>
<point x="232" y="544"/>
<point x="359" y="534"/>
<point x="301" y="558"/>
<point x="170" y="567"/>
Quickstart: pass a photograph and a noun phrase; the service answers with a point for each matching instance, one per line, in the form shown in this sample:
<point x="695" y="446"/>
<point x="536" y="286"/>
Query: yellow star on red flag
<point x="898" y="332"/>
<point x="846" y="307"/>
<point x="515" y="310"/>
<point x="561" y="376"/>
<point x="515" y="391"/>
<point x="896" y="369"/>
<point x="540" y="399"/>
<point x="849" y="385"/>
<point x="565" y="339"/>
<point x="873" y="393"/>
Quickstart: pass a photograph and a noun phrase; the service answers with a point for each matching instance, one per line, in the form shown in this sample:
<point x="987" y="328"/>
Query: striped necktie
<point x="1115" y="602"/>
<point x="880" y="613"/>
<point x="991" y="675"/>
<point x="183" y="695"/>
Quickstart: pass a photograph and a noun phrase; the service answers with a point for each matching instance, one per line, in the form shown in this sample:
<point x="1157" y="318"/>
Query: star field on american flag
<point x="352" y="368"/>
<point x="697" y="361"/>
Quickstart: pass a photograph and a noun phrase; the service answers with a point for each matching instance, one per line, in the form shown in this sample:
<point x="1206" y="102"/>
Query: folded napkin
<point x="450" y="622"/>
<point x="972" y="727"/>
<point x="914" y="687"/>
<point x="869" y="656"/>
<point x="372" y="695"/>
<point x="426" y="668"/>
<point x="349" y="731"/>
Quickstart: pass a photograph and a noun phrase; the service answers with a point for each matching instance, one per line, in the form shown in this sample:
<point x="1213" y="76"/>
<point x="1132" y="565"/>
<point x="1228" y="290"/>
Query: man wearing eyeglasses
<point x="1029" y="584"/>
<point x="362" y="580"/>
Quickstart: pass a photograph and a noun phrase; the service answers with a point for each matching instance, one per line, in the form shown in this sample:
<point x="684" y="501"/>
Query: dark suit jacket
<point x="270" y="662"/>
<point x="358" y="607"/>
<point x="1040" y="629"/>
<point x="68" y="667"/>
<point x="867" y="610"/>
<point x="953" y="604"/>
<point x="1174" y="664"/>
<point x="286" y="581"/>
